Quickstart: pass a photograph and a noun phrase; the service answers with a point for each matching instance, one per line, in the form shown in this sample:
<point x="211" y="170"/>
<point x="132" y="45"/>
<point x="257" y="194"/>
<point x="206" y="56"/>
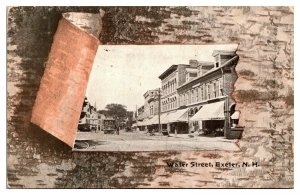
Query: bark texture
<point x="264" y="94"/>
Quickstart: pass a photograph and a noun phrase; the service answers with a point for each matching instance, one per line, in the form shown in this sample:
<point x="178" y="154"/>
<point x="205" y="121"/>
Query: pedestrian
<point x="118" y="130"/>
<point x="146" y="129"/>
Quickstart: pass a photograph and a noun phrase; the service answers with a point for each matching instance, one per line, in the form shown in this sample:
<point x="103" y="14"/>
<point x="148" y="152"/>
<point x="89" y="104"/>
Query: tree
<point x="117" y="111"/>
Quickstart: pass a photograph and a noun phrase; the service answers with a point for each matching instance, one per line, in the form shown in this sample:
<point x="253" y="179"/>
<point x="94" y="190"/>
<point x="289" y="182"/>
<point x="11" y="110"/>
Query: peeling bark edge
<point x="62" y="89"/>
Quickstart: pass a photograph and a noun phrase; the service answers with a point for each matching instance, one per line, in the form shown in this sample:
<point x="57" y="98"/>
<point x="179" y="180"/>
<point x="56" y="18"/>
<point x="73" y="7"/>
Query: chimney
<point x="193" y="63"/>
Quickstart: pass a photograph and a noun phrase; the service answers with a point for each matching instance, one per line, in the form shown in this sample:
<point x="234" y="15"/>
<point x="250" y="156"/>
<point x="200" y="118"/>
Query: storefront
<point x="211" y="118"/>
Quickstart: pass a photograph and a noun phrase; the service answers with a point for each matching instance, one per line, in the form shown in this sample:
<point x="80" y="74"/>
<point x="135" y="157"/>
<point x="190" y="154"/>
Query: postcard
<point x="150" y="97"/>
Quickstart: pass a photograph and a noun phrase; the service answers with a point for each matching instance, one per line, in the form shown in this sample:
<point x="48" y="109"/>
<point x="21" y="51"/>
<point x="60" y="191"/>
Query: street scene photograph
<point x="160" y="98"/>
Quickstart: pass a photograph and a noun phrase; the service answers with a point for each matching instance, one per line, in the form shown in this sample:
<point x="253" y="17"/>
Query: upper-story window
<point x="214" y="89"/>
<point x="197" y="95"/>
<point x="180" y="100"/>
<point x="202" y="93"/>
<point x="175" y="84"/>
<point x="208" y="91"/>
<point x="218" y="88"/>
<point x="221" y="87"/>
<point x="192" y="96"/>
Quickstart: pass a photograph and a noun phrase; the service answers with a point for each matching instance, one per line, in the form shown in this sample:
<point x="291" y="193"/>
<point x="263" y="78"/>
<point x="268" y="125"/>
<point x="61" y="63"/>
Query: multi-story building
<point x="209" y="93"/>
<point x="150" y="108"/>
<point x="151" y="102"/>
<point x="140" y="113"/>
<point x="196" y="96"/>
<point x="173" y="77"/>
<point x="90" y="119"/>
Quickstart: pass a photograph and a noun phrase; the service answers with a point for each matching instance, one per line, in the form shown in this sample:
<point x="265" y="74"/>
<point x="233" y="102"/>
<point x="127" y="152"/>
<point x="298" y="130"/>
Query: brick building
<point x="209" y="93"/>
<point x="195" y="96"/>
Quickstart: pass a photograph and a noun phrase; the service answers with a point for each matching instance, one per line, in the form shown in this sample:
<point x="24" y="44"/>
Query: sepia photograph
<point x="160" y="97"/>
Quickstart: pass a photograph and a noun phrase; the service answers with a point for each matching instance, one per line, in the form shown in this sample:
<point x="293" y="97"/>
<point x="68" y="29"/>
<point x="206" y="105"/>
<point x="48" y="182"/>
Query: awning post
<point x="227" y="119"/>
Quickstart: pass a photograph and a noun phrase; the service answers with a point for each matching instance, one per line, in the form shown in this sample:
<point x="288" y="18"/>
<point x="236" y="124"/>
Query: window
<point x="221" y="86"/>
<point x="181" y="100"/>
<point x="208" y="91"/>
<point x="173" y="86"/>
<point x="186" y="99"/>
<point x="218" y="88"/>
<point x="192" y="96"/>
<point x="197" y="95"/>
<point x="215" y="89"/>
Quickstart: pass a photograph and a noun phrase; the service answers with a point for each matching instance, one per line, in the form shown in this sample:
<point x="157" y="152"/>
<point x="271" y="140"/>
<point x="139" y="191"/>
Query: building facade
<point x="151" y="102"/>
<point x="195" y="97"/>
<point x="211" y="88"/>
<point x="149" y="110"/>
<point x="90" y="119"/>
<point x="171" y="79"/>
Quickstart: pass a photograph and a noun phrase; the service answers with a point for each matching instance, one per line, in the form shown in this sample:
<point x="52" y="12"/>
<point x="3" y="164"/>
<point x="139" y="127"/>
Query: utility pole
<point x="159" y="125"/>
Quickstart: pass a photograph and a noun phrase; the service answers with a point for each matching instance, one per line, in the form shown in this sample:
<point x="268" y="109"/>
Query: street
<point x="140" y="141"/>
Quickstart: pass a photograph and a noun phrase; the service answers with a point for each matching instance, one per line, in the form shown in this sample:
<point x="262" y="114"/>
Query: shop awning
<point x="147" y="121"/>
<point x="143" y="123"/>
<point x="184" y="117"/>
<point x="139" y="123"/>
<point x="212" y="111"/>
<point x="177" y="115"/>
<point x="153" y="120"/>
<point x="235" y="115"/>
<point x="164" y="119"/>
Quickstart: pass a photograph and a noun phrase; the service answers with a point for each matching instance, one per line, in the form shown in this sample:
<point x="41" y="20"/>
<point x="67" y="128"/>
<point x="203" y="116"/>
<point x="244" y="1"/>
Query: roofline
<point x="157" y="89"/>
<point x="168" y="70"/>
<point x="223" y="52"/>
<point x="229" y="61"/>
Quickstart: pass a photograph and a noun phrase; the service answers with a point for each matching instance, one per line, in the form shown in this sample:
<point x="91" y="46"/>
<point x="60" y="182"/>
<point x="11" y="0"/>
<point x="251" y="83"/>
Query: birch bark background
<point x="264" y="94"/>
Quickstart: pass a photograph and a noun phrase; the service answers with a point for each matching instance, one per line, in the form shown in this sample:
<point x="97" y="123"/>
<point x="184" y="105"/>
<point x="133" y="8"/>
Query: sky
<point x="123" y="73"/>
